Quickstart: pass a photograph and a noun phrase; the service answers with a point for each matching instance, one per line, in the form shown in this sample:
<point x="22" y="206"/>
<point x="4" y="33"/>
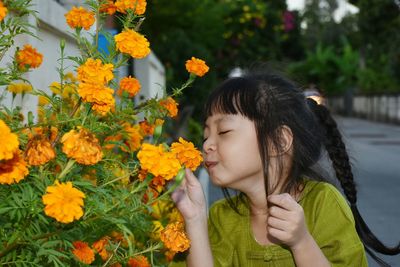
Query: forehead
<point x="220" y="117"/>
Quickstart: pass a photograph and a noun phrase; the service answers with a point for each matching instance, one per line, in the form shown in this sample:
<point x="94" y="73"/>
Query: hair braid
<point x="341" y="163"/>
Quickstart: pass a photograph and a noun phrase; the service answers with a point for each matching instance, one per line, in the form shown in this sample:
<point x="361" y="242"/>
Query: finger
<point x="277" y="223"/>
<point x="285" y="201"/>
<point x="279" y="213"/>
<point x="277" y="233"/>
<point x="190" y="178"/>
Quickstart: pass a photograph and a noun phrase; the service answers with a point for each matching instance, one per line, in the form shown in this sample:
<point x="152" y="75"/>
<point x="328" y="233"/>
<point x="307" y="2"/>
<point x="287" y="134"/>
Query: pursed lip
<point x="210" y="164"/>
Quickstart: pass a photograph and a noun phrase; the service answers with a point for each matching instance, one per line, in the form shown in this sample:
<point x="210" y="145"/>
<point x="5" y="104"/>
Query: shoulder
<point x="324" y="199"/>
<point x="222" y="208"/>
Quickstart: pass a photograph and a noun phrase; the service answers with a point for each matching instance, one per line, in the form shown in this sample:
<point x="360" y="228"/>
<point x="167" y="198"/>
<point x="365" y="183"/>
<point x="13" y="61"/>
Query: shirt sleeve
<point x="333" y="228"/>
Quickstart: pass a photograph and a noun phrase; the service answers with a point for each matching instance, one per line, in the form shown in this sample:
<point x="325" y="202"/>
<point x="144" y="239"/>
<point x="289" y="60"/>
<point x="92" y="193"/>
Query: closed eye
<point x="223" y="132"/>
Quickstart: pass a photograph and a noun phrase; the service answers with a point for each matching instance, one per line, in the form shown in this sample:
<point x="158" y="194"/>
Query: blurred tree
<point x="379" y="24"/>
<point x="225" y="33"/>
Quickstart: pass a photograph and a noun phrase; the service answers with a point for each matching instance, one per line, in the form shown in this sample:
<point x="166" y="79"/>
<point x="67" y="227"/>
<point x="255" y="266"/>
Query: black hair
<point x="271" y="102"/>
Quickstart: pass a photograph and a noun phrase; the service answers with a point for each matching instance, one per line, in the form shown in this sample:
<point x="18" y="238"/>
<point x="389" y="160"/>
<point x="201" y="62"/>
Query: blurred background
<point x="346" y="53"/>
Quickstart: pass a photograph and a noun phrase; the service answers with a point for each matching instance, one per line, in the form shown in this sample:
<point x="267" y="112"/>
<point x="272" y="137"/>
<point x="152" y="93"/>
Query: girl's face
<point x="231" y="153"/>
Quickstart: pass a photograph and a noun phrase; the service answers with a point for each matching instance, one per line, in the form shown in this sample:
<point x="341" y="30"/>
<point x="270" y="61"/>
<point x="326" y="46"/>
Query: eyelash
<point x="224" y="132"/>
<point x="220" y="133"/>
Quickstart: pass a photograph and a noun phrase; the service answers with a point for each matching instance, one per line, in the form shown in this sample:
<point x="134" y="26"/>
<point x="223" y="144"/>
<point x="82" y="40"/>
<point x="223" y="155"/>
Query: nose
<point x="209" y="145"/>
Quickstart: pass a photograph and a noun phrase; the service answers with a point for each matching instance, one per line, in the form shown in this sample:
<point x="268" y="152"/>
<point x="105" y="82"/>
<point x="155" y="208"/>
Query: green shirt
<point x="328" y="218"/>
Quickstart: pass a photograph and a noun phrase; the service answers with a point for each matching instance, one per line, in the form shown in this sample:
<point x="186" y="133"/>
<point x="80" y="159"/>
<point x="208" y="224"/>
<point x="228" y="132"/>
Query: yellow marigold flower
<point x="187" y="154"/>
<point x="63" y="202"/>
<point x="28" y="57"/>
<point x="13" y="170"/>
<point x="100" y="247"/>
<point x="9" y="142"/>
<point x="82" y="146"/>
<point x="108" y="7"/>
<point x="18" y="88"/>
<point x="138" y="261"/>
<point x="69" y="76"/>
<point x="79" y="17"/>
<point x="158" y="162"/>
<point x="134" y="136"/>
<point x="42" y="100"/>
<point x="130" y="85"/>
<point x="139" y="6"/>
<point x="3" y="11"/>
<point x="157" y="228"/>
<point x="171" y="106"/>
<point x="196" y="66"/>
<point x="83" y="252"/>
<point x="55" y="88"/>
<point x="39" y="151"/>
<point x="132" y="43"/>
<point x="174" y="237"/>
<point x="94" y="71"/>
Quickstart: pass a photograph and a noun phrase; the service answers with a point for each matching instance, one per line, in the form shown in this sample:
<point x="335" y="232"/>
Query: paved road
<point x="374" y="149"/>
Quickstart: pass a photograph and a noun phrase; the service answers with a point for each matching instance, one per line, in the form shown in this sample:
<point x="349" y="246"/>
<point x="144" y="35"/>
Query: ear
<point x="285" y="141"/>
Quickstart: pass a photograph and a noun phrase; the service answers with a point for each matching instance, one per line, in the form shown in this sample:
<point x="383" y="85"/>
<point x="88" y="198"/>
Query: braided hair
<point x="340" y="160"/>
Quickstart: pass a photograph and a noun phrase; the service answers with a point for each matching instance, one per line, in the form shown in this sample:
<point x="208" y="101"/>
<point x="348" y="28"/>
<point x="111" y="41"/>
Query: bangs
<point x="234" y="96"/>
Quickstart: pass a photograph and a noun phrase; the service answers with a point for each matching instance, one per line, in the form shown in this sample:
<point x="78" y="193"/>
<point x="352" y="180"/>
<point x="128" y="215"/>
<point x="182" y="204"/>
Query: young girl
<point x="262" y="138"/>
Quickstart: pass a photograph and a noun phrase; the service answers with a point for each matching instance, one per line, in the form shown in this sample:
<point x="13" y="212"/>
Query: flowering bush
<point x="85" y="181"/>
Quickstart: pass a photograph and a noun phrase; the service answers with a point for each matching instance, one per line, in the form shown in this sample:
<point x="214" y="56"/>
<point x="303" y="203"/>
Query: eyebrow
<point x="225" y="118"/>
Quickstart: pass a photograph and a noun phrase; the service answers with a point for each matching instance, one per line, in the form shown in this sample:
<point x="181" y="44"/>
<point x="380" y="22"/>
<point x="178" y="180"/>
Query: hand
<point x="286" y="220"/>
<point x="189" y="198"/>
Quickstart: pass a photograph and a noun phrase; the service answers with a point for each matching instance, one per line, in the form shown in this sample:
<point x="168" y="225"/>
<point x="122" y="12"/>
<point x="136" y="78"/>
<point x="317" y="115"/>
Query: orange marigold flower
<point x="94" y="71"/>
<point x="187" y="154"/>
<point x="9" y="142"/>
<point x="174" y="237"/>
<point x="134" y="137"/>
<point x="196" y="66"/>
<point x="169" y="255"/>
<point x="3" y="11"/>
<point x="83" y="252"/>
<point x="63" y="202"/>
<point x="82" y="146"/>
<point x="79" y="17"/>
<point x="138" y="261"/>
<point x="19" y="88"/>
<point x="158" y="161"/>
<point x="13" y="170"/>
<point x="139" y="6"/>
<point x="104" y="109"/>
<point x="158" y="183"/>
<point x="28" y="57"/>
<point x="108" y="7"/>
<point x="39" y="151"/>
<point x="129" y="85"/>
<point x="100" y="96"/>
<point x="146" y="128"/>
<point x="132" y="43"/>
<point x="170" y="105"/>
<point x="111" y="140"/>
<point x="100" y="247"/>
